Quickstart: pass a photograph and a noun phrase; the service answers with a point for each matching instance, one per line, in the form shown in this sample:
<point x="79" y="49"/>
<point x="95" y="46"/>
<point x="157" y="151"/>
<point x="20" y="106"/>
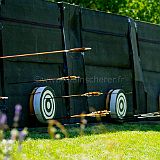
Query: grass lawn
<point x="98" y="142"/>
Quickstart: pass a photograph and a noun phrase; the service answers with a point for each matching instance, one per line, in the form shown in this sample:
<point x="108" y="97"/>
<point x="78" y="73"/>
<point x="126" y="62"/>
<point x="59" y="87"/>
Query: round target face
<point x="44" y="103"/>
<point x="118" y="104"/>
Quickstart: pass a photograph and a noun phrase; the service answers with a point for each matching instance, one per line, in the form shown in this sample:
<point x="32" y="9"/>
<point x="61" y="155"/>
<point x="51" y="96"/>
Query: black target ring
<point x="121" y="105"/>
<point x="44" y="104"/>
<point x="118" y="104"/>
<point x="47" y="103"/>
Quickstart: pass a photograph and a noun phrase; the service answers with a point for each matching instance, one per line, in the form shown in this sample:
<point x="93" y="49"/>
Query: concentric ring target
<point x="44" y="103"/>
<point x="118" y="104"/>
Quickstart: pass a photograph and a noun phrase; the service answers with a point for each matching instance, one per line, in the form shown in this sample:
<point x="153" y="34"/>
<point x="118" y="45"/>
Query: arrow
<point x="50" y="79"/>
<point x="152" y="114"/>
<point x="93" y="114"/>
<point x="45" y="53"/>
<point x="3" y="98"/>
<point x="89" y="94"/>
<point x="59" y="79"/>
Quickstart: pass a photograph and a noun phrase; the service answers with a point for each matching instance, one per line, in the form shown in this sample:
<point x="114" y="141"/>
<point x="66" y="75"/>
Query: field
<point x="95" y="142"/>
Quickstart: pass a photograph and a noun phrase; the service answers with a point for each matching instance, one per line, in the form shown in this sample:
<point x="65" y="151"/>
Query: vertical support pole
<point x="2" y="90"/>
<point x="139" y="88"/>
<point x="3" y="105"/>
<point x="65" y="67"/>
<point x="74" y="63"/>
<point x="159" y="104"/>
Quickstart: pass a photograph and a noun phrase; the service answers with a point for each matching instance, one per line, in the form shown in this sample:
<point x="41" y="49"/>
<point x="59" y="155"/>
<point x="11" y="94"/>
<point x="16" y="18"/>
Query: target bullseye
<point x="44" y="103"/>
<point x="118" y="104"/>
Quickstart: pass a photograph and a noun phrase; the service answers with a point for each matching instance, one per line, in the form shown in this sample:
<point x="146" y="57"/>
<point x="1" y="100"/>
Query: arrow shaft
<point x="32" y="54"/>
<point x="45" y="53"/>
<point x="48" y="79"/>
<point x="89" y="94"/>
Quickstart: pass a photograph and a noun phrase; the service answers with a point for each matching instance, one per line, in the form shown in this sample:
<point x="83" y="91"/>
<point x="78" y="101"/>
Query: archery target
<point x="118" y="104"/>
<point x="44" y="103"/>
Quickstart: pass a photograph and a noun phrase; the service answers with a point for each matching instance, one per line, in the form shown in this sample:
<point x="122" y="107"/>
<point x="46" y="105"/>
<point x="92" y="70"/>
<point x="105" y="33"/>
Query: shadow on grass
<point x="96" y="128"/>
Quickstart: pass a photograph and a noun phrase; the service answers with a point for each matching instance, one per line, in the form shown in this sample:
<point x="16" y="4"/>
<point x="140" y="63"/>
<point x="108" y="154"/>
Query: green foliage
<point x="144" y="10"/>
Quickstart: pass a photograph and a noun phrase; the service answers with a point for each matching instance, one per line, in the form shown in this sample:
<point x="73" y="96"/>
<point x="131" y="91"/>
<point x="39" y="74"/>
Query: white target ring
<point x="44" y="104"/>
<point x="118" y="104"/>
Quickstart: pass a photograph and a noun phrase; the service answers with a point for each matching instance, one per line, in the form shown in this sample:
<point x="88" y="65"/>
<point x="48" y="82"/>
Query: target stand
<point x="118" y="104"/>
<point x="42" y="103"/>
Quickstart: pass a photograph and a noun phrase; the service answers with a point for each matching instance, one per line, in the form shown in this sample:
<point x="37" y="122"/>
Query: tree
<point x="144" y="10"/>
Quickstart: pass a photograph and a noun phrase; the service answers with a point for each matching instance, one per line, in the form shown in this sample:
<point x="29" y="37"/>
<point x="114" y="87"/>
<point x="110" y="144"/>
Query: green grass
<point x="99" y="142"/>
